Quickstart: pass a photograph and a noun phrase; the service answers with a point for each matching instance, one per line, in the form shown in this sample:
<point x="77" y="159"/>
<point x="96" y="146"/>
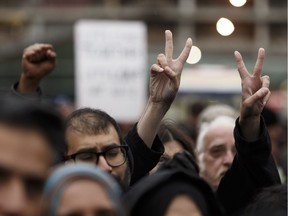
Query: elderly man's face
<point x="217" y="154"/>
<point x="25" y="160"/>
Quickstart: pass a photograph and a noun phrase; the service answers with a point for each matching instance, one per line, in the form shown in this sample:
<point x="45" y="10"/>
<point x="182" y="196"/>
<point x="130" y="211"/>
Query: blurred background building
<point x="258" y="23"/>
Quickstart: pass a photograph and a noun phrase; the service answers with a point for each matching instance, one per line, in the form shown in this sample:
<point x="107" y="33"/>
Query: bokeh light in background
<point x="238" y="3"/>
<point x="194" y="56"/>
<point x="259" y="23"/>
<point x="225" y="27"/>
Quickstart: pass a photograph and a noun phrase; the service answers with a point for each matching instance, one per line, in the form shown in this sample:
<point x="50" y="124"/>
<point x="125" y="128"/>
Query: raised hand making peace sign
<point x="166" y="73"/>
<point x="255" y="94"/>
<point x="165" y="77"/>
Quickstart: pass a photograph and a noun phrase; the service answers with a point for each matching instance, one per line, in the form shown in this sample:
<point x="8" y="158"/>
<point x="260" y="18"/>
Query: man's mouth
<point x="222" y="174"/>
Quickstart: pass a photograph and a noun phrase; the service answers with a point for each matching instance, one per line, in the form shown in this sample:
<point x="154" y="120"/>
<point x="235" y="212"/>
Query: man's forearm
<point x="27" y="86"/>
<point x="149" y="122"/>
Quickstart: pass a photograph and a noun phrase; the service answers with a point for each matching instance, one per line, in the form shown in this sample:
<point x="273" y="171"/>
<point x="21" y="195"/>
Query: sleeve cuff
<point x="145" y="159"/>
<point x="34" y="96"/>
<point x="260" y="148"/>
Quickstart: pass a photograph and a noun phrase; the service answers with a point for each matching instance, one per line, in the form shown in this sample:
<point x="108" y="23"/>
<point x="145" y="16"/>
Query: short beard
<point x="124" y="183"/>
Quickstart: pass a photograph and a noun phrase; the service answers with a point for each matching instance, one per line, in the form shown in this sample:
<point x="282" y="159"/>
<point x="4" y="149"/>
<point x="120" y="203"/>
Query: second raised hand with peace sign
<point x="255" y="94"/>
<point x="165" y="77"/>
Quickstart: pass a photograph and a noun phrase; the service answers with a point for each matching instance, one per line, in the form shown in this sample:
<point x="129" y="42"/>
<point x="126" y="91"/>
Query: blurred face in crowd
<point x="183" y="205"/>
<point x="171" y="148"/>
<point x="216" y="153"/>
<point x="114" y="161"/>
<point x="25" y="160"/>
<point x="85" y="197"/>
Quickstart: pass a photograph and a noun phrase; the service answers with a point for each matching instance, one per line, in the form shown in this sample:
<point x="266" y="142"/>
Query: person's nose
<point x="103" y="165"/>
<point x="13" y="197"/>
<point x="228" y="159"/>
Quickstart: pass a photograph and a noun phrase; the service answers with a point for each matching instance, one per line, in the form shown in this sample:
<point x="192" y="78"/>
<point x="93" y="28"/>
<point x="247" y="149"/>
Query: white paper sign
<point x="110" y="61"/>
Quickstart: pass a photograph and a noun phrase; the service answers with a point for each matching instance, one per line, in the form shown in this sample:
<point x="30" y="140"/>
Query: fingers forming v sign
<point x="165" y="75"/>
<point x="255" y="87"/>
<point x="176" y="64"/>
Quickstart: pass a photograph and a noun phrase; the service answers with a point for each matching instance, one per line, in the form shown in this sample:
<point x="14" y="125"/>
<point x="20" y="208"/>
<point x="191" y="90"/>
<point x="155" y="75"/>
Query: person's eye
<point x="34" y="186"/>
<point x="164" y="158"/>
<point x="4" y="174"/>
<point x="85" y="157"/>
<point x="217" y="152"/>
<point x="113" y="152"/>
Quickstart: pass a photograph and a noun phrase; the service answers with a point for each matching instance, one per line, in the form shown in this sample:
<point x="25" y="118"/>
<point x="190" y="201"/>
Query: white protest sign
<point x="110" y="61"/>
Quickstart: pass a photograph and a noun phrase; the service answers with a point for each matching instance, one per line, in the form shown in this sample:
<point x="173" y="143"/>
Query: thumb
<point x="155" y="68"/>
<point x="172" y="75"/>
<point x="262" y="95"/>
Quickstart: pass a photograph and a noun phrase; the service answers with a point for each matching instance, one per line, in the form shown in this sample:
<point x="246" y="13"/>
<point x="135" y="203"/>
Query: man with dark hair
<point x="31" y="141"/>
<point x="91" y="131"/>
<point x="85" y="132"/>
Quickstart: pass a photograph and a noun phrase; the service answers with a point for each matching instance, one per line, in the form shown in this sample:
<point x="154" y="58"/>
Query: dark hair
<point x="168" y="131"/>
<point x="91" y="121"/>
<point x="270" y="199"/>
<point x="35" y="116"/>
<point x="153" y="194"/>
<point x="94" y="121"/>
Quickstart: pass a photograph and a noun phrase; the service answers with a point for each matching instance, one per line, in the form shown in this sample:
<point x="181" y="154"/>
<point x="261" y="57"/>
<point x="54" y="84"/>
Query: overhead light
<point x="237" y="3"/>
<point x="225" y="27"/>
<point x="194" y="55"/>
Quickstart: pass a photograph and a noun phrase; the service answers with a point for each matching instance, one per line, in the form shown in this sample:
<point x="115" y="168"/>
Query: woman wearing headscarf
<point x="82" y="190"/>
<point x="175" y="189"/>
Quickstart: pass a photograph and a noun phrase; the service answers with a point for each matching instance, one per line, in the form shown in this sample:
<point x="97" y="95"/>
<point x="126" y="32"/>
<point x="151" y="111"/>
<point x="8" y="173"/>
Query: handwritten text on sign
<point x="111" y="71"/>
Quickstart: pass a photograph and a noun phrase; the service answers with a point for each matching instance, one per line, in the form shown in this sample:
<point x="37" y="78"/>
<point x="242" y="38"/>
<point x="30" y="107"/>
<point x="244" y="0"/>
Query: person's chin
<point x="121" y="183"/>
<point x="222" y="174"/>
<point x="218" y="180"/>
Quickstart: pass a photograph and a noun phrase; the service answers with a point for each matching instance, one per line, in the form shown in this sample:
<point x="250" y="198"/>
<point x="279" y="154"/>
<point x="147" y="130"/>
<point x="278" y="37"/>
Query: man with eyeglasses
<point x="114" y="155"/>
<point x="93" y="136"/>
<point x="145" y="148"/>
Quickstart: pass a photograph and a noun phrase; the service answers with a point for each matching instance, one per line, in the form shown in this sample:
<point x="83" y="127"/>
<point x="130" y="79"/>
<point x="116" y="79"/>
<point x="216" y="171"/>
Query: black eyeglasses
<point x="114" y="156"/>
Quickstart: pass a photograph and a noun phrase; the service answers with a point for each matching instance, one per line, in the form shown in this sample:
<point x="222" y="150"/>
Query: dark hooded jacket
<point x="153" y="194"/>
<point x="253" y="169"/>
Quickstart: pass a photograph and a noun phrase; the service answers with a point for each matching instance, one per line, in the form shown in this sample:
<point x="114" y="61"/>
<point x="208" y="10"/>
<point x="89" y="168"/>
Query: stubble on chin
<point x="125" y="182"/>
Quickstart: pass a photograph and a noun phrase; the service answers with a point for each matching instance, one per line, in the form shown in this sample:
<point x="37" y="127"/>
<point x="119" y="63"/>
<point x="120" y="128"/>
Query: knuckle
<point x="160" y="56"/>
<point x="153" y="66"/>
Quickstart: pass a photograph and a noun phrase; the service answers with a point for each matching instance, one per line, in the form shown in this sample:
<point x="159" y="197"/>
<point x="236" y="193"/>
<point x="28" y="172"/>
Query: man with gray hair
<point x="216" y="149"/>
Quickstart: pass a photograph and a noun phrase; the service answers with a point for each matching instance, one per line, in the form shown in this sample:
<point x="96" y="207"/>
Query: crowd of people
<point x="83" y="166"/>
